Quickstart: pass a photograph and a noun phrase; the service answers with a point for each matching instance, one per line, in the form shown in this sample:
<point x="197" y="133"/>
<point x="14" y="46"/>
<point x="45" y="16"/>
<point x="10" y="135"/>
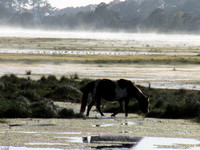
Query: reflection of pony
<point x="120" y="90"/>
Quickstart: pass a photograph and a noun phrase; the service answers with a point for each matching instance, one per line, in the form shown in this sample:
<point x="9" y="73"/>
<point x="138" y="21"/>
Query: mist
<point x="154" y="39"/>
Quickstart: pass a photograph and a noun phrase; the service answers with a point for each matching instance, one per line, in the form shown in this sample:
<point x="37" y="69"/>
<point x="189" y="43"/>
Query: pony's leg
<point x="121" y="108"/>
<point x="126" y="107"/>
<point x="98" y="106"/>
<point x="90" y="106"/>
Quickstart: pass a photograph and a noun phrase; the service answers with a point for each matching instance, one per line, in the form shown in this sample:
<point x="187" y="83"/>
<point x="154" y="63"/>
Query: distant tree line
<point x="129" y="15"/>
<point x="24" y="12"/>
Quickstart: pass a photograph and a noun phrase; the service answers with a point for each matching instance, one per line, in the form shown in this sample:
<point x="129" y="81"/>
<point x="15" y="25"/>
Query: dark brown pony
<point x="120" y="90"/>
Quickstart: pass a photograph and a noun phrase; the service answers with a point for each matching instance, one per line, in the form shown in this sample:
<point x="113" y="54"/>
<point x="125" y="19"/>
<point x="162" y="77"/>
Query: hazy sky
<point x="75" y="3"/>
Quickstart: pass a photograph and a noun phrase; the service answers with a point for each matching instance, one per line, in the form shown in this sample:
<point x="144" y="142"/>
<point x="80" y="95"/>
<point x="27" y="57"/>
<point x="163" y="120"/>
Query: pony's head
<point x="144" y="105"/>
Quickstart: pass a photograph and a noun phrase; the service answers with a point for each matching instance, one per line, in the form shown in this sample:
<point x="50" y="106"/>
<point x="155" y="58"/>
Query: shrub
<point x="31" y="95"/>
<point x="18" y="108"/>
<point x="64" y="92"/>
<point x="74" y="76"/>
<point x="43" y="109"/>
<point x="52" y="78"/>
<point x="28" y="72"/>
<point x="68" y="113"/>
<point x="64" y="79"/>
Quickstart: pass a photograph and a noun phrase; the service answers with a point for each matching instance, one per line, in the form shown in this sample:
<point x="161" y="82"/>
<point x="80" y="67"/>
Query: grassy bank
<point x="99" y="59"/>
<point x="23" y="97"/>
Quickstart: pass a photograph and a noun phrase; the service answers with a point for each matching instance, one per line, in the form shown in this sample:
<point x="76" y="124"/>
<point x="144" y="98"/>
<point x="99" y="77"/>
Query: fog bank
<point x="192" y="40"/>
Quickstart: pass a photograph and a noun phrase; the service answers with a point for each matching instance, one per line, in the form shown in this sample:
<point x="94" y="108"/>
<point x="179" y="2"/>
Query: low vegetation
<point x="23" y="97"/>
<point x="99" y="59"/>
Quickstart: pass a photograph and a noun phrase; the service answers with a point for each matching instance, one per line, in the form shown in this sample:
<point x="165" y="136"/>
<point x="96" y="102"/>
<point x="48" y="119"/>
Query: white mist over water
<point x="192" y="40"/>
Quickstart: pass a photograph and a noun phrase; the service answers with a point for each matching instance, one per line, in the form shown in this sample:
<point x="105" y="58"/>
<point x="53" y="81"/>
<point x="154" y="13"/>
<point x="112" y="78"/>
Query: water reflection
<point x="158" y="143"/>
<point x="112" y="142"/>
<point x="117" y="142"/>
<point x="137" y="143"/>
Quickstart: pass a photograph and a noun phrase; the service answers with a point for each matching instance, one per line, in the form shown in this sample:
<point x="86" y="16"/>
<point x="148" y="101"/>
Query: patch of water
<point x="74" y="139"/>
<point x="46" y="143"/>
<point x="137" y="143"/>
<point x="37" y="124"/>
<point x="103" y="125"/>
<point x="159" y="143"/>
<point x="126" y="123"/>
<point x="111" y="142"/>
<point x="26" y="148"/>
<point x="122" y="142"/>
<point x="26" y="132"/>
<point x="34" y="132"/>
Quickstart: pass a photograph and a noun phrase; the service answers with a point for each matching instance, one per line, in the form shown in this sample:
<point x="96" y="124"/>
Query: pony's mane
<point x="139" y="92"/>
<point x="138" y="89"/>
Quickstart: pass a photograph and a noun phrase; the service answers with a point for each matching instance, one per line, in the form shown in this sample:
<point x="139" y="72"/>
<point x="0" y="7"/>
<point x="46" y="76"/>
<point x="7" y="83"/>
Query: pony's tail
<point x="88" y="88"/>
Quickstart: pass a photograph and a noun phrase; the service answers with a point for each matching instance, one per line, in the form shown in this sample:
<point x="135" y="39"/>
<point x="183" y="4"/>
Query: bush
<point x="43" y="109"/>
<point x="74" y="76"/>
<point x="18" y="108"/>
<point x="64" y="93"/>
<point x="52" y="79"/>
<point x="31" y="95"/>
<point x="22" y="97"/>
<point x="68" y="113"/>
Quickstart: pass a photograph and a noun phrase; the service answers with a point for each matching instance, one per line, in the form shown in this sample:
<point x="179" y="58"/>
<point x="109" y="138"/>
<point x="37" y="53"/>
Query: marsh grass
<point x="98" y="59"/>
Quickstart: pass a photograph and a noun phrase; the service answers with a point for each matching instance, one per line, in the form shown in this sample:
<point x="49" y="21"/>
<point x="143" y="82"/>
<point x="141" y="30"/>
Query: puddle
<point x="106" y="141"/>
<point x="68" y="133"/>
<point x="136" y="143"/>
<point x="111" y="142"/>
<point x="34" y="132"/>
<point x="103" y="125"/>
<point x="26" y="132"/>
<point x="158" y="143"/>
<point x="37" y="124"/>
<point x="125" y="132"/>
<point x="74" y="139"/>
<point x="46" y="143"/>
<point x="126" y="123"/>
<point x="26" y="148"/>
<point x="117" y="142"/>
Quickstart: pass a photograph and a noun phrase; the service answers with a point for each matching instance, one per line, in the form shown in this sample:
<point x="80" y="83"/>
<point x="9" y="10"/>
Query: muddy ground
<point x="77" y="133"/>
